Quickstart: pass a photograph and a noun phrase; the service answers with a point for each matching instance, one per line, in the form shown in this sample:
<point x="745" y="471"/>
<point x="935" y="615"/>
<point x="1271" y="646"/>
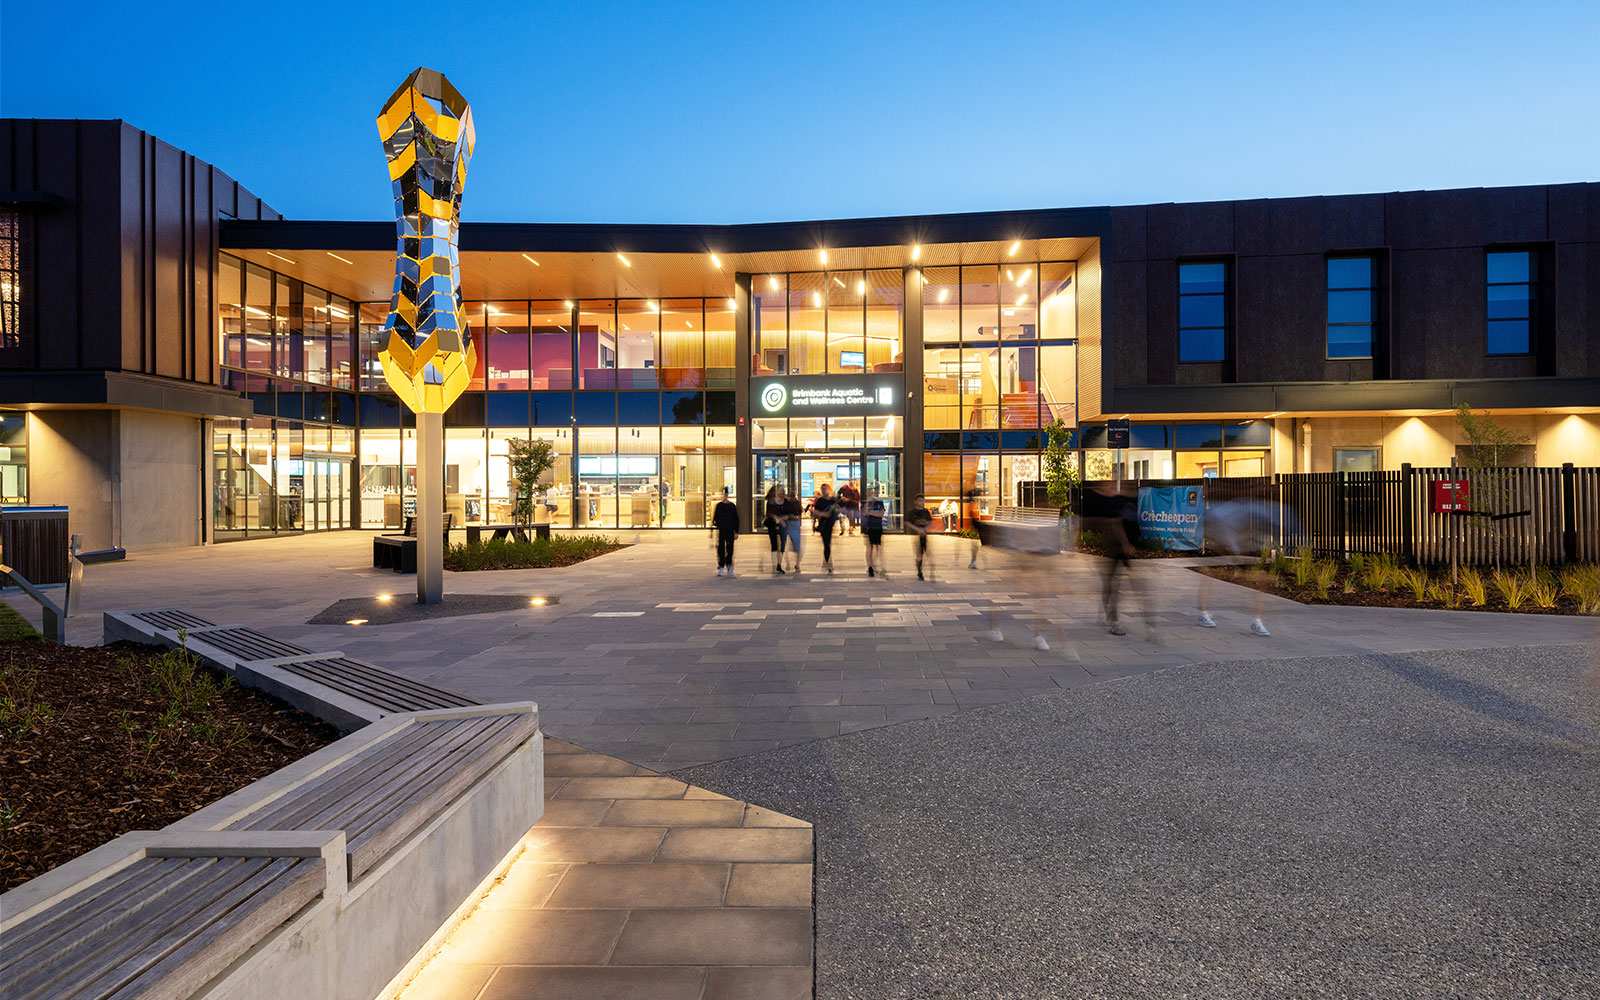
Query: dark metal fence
<point x="1543" y="515"/>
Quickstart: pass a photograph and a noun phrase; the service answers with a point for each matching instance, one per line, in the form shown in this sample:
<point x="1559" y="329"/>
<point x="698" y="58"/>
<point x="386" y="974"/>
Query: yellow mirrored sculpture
<point x="428" y="357"/>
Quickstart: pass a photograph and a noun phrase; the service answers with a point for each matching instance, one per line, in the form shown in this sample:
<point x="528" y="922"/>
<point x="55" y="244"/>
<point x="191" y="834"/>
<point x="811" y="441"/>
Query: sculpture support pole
<point x="430" y="508"/>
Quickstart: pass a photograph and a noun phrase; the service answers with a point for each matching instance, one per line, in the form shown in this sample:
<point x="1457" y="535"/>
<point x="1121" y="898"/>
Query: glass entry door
<point x="772" y="469"/>
<point x="881" y="475"/>
<point x="328" y="481"/>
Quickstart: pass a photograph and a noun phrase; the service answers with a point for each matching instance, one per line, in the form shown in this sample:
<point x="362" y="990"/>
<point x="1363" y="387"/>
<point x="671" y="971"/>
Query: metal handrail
<point x="55" y="622"/>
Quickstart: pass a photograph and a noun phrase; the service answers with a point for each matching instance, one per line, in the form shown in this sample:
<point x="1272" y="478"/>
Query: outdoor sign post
<point x="1449" y="496"/>
<point x="1118" y="433"/>
<point x="428" y="358"/>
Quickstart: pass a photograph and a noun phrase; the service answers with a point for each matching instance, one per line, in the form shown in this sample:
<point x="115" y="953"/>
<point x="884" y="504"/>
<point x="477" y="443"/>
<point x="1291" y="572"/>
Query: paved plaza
<point x="1370" y="802"/>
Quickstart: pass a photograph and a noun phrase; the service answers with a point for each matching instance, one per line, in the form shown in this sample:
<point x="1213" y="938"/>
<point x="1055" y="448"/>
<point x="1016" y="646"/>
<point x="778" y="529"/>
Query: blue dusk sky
<point x="686" y="112"/>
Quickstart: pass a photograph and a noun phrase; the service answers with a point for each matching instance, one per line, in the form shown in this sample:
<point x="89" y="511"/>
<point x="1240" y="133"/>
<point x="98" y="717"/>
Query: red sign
<point x="1449" y="495"/>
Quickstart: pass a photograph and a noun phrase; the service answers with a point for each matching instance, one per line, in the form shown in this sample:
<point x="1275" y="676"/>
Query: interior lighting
<point x="944" y="293"/>
<point x="688" y="324"/>
<point x="339" y="258"/>
<point x="772" y="282"/>
<point x="1010" y="275"/>
<point x="730" y="304"/>
<point x="279" y="256"/>
<point x="653" y="307"/>
<point x="861" y="288"/>
<point x="1014" y="248"/>
<point x="716" y="262"/>
<point x="342" y="314"/>
<point x="816" y="299"/>
<point x="1025" y="276"/>
<point x="1022" y="298"/>
<point x="356" y="621"/>
<point x="567" y="304"/>
<point x="824" y="255"/>
<point x="625" y="261"/>
<point x="916" y="252"/>
<point x="531" y="261"/>
<point x="253" y="309"/>
<point x="838" y="282"/>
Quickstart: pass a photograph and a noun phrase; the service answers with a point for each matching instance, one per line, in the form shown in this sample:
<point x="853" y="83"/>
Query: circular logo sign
<point x="773" y="396"/>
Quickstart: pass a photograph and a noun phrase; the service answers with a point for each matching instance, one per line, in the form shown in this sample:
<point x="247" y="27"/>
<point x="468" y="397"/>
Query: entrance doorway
<point x="802" y="474"/>
<point x="328" y="479"/>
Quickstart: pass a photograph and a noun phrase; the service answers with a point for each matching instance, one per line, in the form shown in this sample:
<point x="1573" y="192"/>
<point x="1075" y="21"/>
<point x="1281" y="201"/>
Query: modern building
<point x="181" y="365"/>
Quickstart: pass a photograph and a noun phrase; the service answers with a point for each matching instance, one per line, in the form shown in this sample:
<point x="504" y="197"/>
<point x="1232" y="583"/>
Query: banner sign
<point x="1171" y="517"/>
<point x="828" y="395"/>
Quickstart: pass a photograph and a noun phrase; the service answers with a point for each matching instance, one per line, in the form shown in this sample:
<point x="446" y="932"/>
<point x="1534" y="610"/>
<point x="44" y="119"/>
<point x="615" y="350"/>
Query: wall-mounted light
<point x="824" y="255"/>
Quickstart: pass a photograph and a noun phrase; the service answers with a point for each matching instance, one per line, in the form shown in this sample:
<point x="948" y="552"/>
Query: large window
<point x="14" y="458"/>
<point x="1512" y="276"/>
<point x="1351" y="307"/>
<point x="1202" y="311"/>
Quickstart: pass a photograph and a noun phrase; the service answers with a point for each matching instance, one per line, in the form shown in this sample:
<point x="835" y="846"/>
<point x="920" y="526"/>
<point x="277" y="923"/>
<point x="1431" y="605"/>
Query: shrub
<point x="1513" y="587"/>
<point x="1322" y="576"/>
<point x="1473" y="586"/>
<point x="1544" y="590"/>
<point x="1358" y="564"/>
<point x="1304" y="561"/>
<point x="506" y="553"/>
<point x="1582" y="584"/>
<point x="1380" y="574"/>
<point x="1444" y="593"/>
<point x="1417" y="580"/>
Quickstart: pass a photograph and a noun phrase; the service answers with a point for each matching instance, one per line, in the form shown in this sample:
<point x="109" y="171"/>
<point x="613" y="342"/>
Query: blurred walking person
<point x="850" y="501"/>
<point x="725" y="523"/>
<point x="773" y="522"/>
<point x="825" y="516"/>
<point x="1241" y="526"/>
<point x="873" y="513"/>
<point x="792" y="514"/>
<point x="918" y="520"/>
<point x="1112" y="512"/>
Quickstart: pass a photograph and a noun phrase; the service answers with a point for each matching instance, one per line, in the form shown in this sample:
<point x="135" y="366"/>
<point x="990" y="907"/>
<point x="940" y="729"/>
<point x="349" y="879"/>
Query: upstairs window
<point x="1202" y="311"/>
<point x="1351" y="307"/>
<point x="1512" y="277"/>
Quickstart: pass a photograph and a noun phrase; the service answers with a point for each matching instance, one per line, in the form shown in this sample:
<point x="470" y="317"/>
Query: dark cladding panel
<point x="1160" y="335"/>
<point x="99" y="246"/>
<point x="1298" y="225"/>
<point x="1251" y="228"/>
<point x="1515" y="215"/>
<point x="1126" y="282"/>
<point x="167" y="315"/>
<point x="58" y="288"/>
<point x="1187" y="230"/>
<point x="1438" y="313"/>
<point x="1421" y="219"/>
<point x="1128" y="234"/>
<point x="1354" y="222"/>
<point x="1569" y="212"/>
<point x="1575" y="306"/>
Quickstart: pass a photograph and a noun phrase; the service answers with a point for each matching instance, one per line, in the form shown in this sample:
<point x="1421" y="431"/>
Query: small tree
<point x="529" y="461"/>
<point x="1060" y="470"/>
<point x="1493" y="446"/>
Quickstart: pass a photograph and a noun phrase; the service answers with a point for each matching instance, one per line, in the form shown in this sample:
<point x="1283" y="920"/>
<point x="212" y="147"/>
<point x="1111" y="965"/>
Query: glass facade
<point x="643" y="435"/>
<point x="999" y="364"/>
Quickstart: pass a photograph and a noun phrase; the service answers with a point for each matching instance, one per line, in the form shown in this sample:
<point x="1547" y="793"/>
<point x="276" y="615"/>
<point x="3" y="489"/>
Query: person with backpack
<point x="873" y="513"/>
<point x="725" y="523"/>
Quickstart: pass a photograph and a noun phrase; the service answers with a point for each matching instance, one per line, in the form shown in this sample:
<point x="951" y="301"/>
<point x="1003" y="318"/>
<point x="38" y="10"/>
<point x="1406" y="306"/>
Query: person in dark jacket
<point x="873" y="513"/>
<point x="825" y="516"/>
<point x="918" y="519"/>
<point x="725" y="522"/>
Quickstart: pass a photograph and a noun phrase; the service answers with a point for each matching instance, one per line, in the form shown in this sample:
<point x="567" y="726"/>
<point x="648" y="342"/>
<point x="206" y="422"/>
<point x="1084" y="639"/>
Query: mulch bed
<point x="1256" y="579"/>
<point x="102" y="761"/>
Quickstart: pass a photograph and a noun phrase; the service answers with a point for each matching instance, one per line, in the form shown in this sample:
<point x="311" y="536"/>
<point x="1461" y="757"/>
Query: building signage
<point x="827" y="395"/>
<point x="1172" y="516"/>
<point x="1449" y="495"/>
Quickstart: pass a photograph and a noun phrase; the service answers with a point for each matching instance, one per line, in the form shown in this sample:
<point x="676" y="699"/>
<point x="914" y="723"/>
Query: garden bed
<point x="540" y="553"/>
<point x="1381" y="582"/>
<point x="96" y="741"/>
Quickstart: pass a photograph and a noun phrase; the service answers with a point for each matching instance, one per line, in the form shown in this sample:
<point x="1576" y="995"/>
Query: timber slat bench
<point x="1023" y="529"/>
<point x="153" y="916"/>
<point x="328" y="684"/>
<point x="399" y="552"/>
